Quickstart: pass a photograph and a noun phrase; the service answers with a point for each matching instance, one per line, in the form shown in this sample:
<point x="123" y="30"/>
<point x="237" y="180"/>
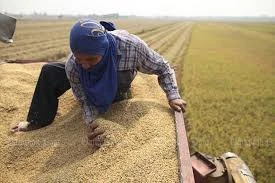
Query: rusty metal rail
<point x="186" y="171"/>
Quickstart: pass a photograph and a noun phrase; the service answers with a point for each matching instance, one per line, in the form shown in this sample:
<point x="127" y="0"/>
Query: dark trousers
<point x="52" y="83"/>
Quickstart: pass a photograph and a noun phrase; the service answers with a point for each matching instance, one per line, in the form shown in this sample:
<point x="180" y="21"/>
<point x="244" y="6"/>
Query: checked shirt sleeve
<point x="89" y="112"/>
<point x="150" y="62"/>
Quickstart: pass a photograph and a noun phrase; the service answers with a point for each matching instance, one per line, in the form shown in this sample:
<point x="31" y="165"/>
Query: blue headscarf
<point x="100" y="81"/>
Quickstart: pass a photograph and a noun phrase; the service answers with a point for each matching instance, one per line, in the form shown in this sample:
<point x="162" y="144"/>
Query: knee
<point x="46" y="68"/>
<point x="47" y="72"/>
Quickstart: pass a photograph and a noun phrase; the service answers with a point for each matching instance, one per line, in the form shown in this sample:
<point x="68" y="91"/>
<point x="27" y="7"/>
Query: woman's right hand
<point x="95" y="135"/>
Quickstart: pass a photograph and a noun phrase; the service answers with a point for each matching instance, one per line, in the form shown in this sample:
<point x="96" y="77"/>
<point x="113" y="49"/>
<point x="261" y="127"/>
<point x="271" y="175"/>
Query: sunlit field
<point x="49" y="39"/>
<point x="225" y="72"/>
<point x="229" y="84"/>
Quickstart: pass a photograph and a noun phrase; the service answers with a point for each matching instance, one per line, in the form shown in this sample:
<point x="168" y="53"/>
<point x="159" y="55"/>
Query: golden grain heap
<point x="140" y="145"/>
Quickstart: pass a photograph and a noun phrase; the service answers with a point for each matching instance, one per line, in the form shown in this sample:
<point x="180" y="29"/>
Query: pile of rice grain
<point x="140" y="144"/>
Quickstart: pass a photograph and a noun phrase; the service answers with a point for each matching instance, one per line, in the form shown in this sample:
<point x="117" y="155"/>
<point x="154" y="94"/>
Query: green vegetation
<point x="228" y="82"/>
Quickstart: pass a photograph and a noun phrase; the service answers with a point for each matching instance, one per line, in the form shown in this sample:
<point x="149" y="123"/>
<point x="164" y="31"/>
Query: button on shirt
<point x="132" y="54"/>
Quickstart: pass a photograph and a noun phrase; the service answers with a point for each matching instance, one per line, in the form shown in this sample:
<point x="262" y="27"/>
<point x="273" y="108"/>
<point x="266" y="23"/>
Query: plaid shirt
<point x="132" y="54"/>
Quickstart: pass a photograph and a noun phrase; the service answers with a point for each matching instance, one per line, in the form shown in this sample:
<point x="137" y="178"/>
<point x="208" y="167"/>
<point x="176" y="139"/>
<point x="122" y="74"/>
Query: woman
<point x="100" y="71"/>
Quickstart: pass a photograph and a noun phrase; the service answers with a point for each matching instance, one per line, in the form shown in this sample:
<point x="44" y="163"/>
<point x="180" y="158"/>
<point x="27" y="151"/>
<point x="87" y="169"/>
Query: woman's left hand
<point x="178" y="105"/>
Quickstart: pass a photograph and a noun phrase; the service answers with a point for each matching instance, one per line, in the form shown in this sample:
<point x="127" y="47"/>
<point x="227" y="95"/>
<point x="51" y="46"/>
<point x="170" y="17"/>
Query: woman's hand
<point x="178" y="105"/>
<point x="95" y="135"/>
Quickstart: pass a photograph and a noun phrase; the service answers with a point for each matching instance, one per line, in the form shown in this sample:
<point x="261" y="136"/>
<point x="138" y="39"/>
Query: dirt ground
<point x="140" y="144"/>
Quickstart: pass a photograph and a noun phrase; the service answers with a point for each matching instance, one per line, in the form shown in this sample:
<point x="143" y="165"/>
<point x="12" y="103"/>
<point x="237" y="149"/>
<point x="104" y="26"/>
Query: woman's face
<point x="87" y="61"/>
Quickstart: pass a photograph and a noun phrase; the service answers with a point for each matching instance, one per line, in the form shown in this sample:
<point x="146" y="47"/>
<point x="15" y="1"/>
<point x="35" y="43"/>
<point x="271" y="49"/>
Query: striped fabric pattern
<point x="133" y="54"/>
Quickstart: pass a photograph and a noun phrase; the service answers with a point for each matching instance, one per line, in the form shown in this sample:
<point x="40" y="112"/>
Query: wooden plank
<point x="186" y="171"/>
